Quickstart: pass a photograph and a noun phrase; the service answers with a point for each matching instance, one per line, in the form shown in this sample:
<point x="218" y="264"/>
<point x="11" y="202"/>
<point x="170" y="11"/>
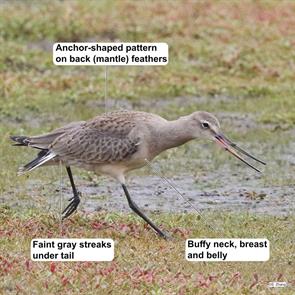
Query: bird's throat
<point x="173" y="134"/>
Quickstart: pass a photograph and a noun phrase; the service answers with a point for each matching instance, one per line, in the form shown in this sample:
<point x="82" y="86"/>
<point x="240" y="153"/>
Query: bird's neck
<point x="173" y="134"/>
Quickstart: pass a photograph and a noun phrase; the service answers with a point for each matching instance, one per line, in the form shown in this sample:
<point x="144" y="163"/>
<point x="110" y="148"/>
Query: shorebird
<point x="115" y="143"/>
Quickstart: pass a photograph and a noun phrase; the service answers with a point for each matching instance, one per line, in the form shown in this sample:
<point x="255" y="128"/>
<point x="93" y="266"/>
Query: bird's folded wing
<point x="90" y="146"/>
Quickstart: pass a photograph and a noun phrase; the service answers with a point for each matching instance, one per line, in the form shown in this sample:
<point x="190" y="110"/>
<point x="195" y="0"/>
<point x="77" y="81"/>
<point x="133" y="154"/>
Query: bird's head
<point x="206" y="125"/>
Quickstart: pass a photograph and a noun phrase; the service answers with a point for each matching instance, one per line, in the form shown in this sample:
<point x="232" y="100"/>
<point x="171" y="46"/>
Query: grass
<point x="143" y="262"/>
<point x="214" y="50"/>
<point x="230" y="58"/>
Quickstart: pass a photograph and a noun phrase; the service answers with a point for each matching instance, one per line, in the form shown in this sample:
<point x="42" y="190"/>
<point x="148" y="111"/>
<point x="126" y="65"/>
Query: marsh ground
<point x="233" y="59"/>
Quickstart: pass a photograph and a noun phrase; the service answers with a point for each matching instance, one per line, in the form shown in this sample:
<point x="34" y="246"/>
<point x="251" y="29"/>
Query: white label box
<point x="227" y="249"/>
<point x="72" y="249"/>
<point x="110" y="54"/>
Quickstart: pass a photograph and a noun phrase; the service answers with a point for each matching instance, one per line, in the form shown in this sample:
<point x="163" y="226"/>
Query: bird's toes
<point x="71" y="208"/>
<point x="166" y="236"/>
<point x="76" y="197"/>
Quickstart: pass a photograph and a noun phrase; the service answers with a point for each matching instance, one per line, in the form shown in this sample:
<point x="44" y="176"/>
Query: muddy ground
<point x="152" y="193"/>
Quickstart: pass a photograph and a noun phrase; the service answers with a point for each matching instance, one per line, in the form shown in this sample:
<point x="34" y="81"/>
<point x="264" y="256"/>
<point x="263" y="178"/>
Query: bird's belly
<point x="138" y="160"/>
<point x="119" y="169"/>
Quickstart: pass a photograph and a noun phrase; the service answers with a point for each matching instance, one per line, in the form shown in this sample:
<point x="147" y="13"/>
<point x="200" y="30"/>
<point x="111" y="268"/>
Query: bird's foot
<point x="164" y="235"/>
<point x="72" y="207"/>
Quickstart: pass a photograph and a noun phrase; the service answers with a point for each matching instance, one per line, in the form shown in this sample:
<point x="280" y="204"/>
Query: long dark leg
<point x="135" y="208"/>
<point x="75" y="200"/>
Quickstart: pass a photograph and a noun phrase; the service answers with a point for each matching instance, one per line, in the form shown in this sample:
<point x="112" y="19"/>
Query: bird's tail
<point x="20" y="140"/>
<point x="42" y="157"/>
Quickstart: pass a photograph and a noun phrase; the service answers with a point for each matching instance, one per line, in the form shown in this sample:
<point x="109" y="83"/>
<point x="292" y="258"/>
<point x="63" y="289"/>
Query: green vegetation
<point x="144" y="263"/>
<point x="243" y="50"/>
<point x="228" y="57"/>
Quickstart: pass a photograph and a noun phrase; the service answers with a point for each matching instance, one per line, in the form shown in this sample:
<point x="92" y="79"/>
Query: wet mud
<point x="154" y="194"/>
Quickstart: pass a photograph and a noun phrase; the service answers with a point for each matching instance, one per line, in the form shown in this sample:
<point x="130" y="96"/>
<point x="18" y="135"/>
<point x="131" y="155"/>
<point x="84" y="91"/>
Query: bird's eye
<point x="205" y="125"/>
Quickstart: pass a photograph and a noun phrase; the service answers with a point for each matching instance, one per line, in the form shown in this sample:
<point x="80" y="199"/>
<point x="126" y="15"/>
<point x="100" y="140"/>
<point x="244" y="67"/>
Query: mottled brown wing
<point x="91" y="146"/>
